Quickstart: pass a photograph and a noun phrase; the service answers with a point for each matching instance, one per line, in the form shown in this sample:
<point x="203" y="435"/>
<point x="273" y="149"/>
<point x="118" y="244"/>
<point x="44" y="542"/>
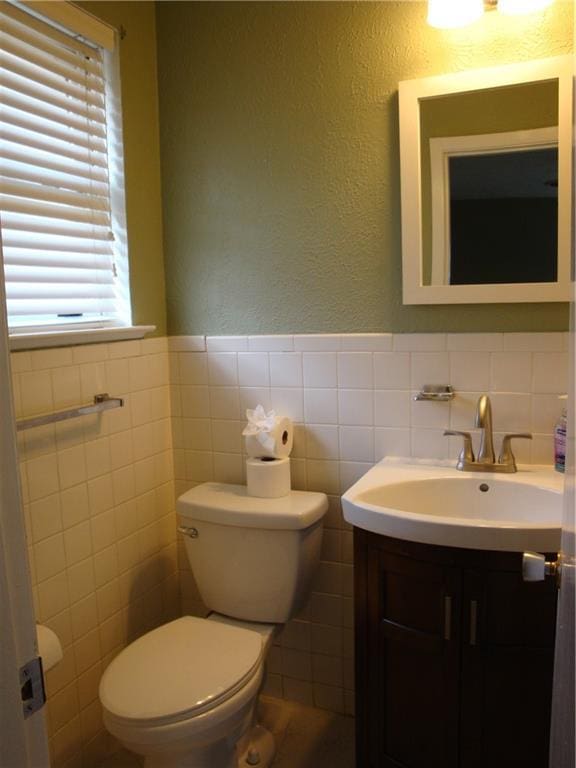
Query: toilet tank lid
<point x="230" y="505"/>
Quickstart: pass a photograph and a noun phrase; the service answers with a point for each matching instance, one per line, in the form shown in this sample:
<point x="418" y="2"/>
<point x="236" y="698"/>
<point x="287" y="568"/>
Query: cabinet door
<point x="507" y="660"/>
<point x="414" y="620"/>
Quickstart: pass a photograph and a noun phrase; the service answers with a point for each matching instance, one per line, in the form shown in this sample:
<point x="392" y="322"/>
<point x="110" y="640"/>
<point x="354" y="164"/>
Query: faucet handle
<point x="467" y="452"/>
<point x="506" y="455"/>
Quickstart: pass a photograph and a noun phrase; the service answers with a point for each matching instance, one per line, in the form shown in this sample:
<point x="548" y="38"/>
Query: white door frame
<point x="563" y="735"/>
<point x="23" y="743"/>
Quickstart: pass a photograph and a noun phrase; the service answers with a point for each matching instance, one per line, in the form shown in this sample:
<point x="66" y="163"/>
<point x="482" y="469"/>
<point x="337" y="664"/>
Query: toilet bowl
<point x="184" y="695"/>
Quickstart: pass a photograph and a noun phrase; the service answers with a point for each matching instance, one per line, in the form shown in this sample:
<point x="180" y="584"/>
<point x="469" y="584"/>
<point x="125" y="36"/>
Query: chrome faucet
<point x="483" y="420"/>
<point x="486" y="460"/>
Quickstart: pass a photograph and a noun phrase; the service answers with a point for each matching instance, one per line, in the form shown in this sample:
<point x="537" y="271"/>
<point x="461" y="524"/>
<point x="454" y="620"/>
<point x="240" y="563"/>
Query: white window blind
<point x="62" y="258"/>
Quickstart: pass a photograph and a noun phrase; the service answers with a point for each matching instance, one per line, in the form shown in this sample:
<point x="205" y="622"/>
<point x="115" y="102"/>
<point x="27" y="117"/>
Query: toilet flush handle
<point x="187" y="530"/>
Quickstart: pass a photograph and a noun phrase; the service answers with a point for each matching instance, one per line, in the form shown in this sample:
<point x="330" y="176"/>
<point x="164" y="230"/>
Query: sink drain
<point x="483" y="487"/>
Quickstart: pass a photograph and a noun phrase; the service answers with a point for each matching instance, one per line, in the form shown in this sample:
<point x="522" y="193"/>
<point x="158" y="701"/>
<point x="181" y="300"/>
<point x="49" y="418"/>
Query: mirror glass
<point x="486" y="166"/>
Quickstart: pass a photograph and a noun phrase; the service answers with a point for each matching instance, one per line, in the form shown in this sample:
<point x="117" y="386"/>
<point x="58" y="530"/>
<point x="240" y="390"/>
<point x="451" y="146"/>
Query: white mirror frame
<point x="411" y="93"/>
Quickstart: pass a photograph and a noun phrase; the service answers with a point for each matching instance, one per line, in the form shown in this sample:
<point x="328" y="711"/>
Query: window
<point x="61" y="172"/>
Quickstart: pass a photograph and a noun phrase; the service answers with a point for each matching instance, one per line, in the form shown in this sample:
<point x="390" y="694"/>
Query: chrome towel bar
<point x="101" y="403"/>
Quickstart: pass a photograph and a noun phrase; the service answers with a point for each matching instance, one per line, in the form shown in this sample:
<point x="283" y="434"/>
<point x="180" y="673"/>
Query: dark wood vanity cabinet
<point x="454" y="655"/>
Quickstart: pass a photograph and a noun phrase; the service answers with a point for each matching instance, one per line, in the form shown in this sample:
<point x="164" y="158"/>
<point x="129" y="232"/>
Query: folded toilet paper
<point x="267" y="435"/>
<point x="268" y="478"/>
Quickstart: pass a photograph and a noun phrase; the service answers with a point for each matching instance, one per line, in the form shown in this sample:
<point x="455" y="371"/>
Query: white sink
<point x="436" y="504"/>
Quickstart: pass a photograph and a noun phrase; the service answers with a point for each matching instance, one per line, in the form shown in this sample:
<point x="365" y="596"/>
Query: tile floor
<point x="306" y="737"/>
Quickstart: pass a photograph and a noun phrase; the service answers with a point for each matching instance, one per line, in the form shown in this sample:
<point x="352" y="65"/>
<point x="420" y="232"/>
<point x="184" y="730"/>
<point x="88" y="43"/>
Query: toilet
<point x="184" y="695"/>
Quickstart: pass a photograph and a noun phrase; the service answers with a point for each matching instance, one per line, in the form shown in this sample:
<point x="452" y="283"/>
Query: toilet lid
<point x="184" y="667"/>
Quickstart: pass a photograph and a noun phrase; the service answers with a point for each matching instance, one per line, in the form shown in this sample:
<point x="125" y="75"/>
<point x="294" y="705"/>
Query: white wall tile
<point x="366" y="342"/>
<point x="511" y="412"/>
<point x="286" y="369"/>
<point x="475" y="342"/>
<point x="550" y="372"/>
<point x="227" y="343"/>
<point x="197" y="400"/>
<point x="193" y="368"/>
<point x="350" y="472"/>
<point x="223" y="368"/>
<point x="323" y="476"/>
<point x="392" y="408"/>
<point x="355" y="407"/>
<point x="320" y="369"/>
<point x="392" y="370"/>
<point x="429" y="368"/>
<point x="316" y="342"/>
<point x="463" y="410"/>
<point x="533" y="342"/>
<point x="197" y="434"/>
<point x="271" y="343"/>
<point x="321" y="442"/>
<point x="42" y="474"/>
<point x="36" y="392"/>
<point x="250" y="397"/>
<point x="357" y="443"/>
<point x="187" y="343"/>
<point x="391" y="442"/>
<point x="429" y="443"/>
<point x="355" y="370"/>
<point x="45" y="516"/>
<point x="470" y="371"/>
<point x="424" y="413"/>
<point x="93" y="353"/>
<point x="419" y="342"/>
<point x="511" y="372"/>
<point x="288" y="401"/>
<point x="227" y="436"/>
<point x="228" y="468"/>
<point x="542" y="449"/>
<point x="253" y="369"/>
<point x="321" y="406"/>
<point x="546" y="410"/>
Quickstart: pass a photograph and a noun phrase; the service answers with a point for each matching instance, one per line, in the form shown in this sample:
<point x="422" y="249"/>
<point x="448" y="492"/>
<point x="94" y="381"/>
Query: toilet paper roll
<point x="49" y="647"/>
<point x="268" y="478"/>
<point x="275" y="443"/>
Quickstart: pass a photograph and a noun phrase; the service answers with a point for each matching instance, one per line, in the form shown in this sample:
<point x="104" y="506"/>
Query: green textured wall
<point x="141" y="155"/>
<point x="279" y="139"/>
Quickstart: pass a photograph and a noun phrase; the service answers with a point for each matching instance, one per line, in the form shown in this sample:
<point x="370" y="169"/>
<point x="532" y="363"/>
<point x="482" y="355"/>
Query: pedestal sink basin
<point x="433" y="503"/>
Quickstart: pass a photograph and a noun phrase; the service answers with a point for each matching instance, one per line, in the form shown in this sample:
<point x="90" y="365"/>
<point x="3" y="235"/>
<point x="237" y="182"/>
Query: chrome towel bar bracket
<point x="102" y="402"/>
<point x="439" y="393"/>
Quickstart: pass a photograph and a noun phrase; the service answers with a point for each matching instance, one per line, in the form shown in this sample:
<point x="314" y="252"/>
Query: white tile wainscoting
<point x="351" y="399"/>
<point x="99" y="491"/>
<point x="99" y="506"/>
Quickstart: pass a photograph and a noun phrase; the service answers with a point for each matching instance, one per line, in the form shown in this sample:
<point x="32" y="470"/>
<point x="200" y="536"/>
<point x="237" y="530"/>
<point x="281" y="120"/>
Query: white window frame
<point x="66" y="16"/>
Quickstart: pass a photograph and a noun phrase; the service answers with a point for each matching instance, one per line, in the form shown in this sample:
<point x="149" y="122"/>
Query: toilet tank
<point x="252" y="558"/>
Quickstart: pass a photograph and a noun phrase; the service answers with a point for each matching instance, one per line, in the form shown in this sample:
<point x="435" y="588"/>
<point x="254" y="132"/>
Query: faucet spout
<point x="483" y="420"/>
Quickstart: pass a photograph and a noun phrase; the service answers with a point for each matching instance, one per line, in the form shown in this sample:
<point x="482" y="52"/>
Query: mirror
<point x="485" y="160"/>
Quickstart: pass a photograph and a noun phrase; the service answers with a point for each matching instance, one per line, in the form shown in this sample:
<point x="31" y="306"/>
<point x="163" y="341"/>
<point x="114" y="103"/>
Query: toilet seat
<point x="179" y="671"/>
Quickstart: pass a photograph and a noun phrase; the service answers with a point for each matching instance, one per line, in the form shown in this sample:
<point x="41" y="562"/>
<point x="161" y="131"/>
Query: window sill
<point x="70" y="338"/>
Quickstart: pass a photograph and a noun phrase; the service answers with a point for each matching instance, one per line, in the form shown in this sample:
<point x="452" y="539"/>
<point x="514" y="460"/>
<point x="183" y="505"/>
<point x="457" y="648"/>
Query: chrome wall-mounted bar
<point x="101" y="403"/>
<point x="440" y="393"/>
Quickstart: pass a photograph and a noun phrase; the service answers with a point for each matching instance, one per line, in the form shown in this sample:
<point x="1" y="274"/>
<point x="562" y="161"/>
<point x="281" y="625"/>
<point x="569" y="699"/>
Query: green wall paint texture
<point x="280" y="169"/>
